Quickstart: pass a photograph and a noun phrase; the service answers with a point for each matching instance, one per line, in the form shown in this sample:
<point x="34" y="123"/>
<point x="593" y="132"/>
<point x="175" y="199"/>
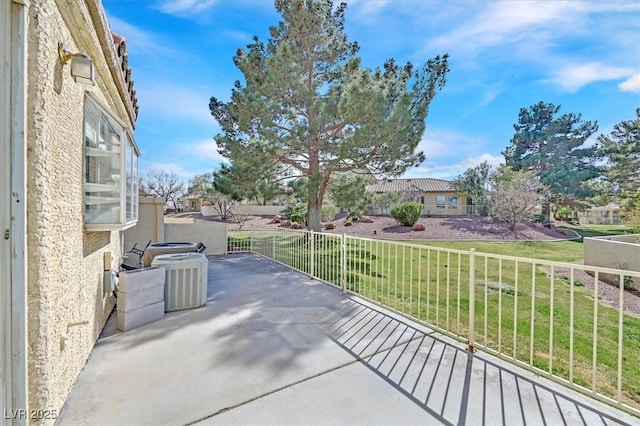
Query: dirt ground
<point x="450" y="228"/>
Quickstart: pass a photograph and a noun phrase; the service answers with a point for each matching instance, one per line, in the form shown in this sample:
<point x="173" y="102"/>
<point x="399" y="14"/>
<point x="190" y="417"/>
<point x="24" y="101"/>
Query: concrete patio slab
<point x="275" y="347"/>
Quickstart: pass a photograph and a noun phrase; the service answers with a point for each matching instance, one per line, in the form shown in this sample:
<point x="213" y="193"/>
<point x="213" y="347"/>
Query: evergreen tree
<point x="308" y="104"/>
<point x="552" y="148"/>
<point x="475" y="183"/>
<point x="621" y="149"/>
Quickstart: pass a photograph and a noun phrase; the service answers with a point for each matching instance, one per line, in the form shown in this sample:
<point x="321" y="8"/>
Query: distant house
<point x="189" y="203"/>
<point x="437" y="196"/>
<point x="604" y="215"/>
<point x="68" y="188"/>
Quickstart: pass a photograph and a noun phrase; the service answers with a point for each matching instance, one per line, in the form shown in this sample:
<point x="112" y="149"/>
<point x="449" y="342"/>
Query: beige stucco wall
<point x="617" y="252"/>
<point x="429" y="206"/>
<point x="150" y="226"/>
<point x="257" y="210"/>
<point x="211" y="234"/>
<point x="66" y="305"/>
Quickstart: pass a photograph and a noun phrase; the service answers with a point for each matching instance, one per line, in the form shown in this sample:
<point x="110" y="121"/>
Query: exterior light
<point x="82" y="69"/>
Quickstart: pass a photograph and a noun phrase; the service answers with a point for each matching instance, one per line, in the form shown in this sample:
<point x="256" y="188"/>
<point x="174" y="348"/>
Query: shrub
<point x="541" y="218"/>
<point x="355" y="215"/>
<point x="296" y="212"/>
<point x="565" y="214"/>
<point x="348" y="223"/>
<point x="418" y="227"/>
<point x="329" y="226"/>
<point x="407" y="213"/>
<point x="328" y="213"/>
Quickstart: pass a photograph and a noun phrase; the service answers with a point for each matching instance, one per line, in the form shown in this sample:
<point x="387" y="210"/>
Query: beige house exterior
<point x="437" y="196"/>
<point x="605" y="215"/>
<point x="189" y="203"/>
<point x="67" y="192"/>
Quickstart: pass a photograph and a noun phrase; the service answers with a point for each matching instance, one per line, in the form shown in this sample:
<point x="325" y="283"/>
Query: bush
<point x="541" y="218"/>
<point x="328" y="213"/>
<point x="407" y="213"/>
<point x="355" y="215"/>
<point x="296" y="212"/>
<point x="565" y="214"/>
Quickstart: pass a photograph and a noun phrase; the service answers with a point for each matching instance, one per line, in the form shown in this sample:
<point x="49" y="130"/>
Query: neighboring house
<point x="189" y="203"/>
<point x="437" y="196"/>
<point x="605" y="215"/>
<point x="68" y="188"/>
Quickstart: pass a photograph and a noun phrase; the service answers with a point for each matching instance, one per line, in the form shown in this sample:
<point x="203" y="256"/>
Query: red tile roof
<point x="120" y="46"/>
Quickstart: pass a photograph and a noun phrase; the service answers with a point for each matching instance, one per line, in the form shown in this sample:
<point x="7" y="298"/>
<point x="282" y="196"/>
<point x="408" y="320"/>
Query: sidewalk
<point x="275" y="347"/>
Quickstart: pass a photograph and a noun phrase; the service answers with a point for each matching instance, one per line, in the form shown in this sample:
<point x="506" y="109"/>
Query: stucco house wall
<point x="435" y="195"/>
<point x="67" y="307"/>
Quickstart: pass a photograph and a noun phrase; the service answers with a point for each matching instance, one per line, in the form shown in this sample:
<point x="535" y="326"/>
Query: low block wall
<point x="155" y="227"/>
<point x="211" y="234"/>
<point x="618" y="252"/>
<point x="248" y="210"/>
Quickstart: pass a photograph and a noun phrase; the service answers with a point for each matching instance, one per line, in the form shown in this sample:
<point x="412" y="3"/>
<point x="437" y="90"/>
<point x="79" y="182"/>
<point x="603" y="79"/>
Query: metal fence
<point x="542" y="315"/>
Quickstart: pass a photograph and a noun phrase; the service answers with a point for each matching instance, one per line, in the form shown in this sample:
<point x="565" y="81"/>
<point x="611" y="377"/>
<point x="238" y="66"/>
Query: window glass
<point x="102" y="167"/>
<point x="110" y="171"/>
<point x="440" y="201"/>
<point x="453" y="202"/>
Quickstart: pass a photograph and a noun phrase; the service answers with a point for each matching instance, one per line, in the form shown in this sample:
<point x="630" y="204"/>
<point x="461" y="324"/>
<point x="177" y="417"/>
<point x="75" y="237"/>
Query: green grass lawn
<point x="560" y="251"/>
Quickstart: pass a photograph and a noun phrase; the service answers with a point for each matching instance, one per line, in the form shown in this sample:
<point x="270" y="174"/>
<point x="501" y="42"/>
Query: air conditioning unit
<point x="185" y="284"/>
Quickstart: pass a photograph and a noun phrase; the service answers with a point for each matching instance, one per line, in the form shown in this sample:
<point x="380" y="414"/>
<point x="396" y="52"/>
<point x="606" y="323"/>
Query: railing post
<point x="250" y="242"/>
<point x="472" y="300"/>
<point x="343" y="262"/>
<point x="273" y="248"/>
<point x="312" y="264"/>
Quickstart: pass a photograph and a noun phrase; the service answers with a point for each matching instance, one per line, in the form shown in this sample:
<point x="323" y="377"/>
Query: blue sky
<point x="504" y="55"/>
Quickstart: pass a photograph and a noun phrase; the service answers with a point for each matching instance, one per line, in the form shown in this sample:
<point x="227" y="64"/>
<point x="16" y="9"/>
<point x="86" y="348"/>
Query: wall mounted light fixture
<point x="81" y="65"/>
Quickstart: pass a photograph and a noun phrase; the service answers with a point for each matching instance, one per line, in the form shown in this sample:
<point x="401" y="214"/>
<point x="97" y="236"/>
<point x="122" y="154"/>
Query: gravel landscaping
<point x="443" y="228"/>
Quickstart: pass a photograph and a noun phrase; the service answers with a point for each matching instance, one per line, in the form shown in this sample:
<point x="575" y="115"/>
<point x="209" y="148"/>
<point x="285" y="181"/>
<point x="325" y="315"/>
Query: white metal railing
<point x="539" y="314"/>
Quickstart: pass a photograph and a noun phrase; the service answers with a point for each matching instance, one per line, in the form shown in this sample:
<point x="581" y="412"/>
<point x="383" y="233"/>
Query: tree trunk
<point x="546" y="210"/>
<point x="314" y="192"/>
<point x="314" y="211"/>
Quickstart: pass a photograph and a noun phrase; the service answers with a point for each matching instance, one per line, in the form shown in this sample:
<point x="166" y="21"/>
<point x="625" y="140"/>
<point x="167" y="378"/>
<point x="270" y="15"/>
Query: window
<point x="110" y="171"/>
<point x="453" y="202"/>
<point x="440" y="201"/>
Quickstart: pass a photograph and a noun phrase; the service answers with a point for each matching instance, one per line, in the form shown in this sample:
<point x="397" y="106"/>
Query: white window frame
<point x="113" y="200"/>
<point x="443" y="204"/>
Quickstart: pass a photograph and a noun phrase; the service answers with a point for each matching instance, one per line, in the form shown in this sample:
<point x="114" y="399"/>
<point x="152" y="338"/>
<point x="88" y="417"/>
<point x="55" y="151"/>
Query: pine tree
<point x="308" y="104"/>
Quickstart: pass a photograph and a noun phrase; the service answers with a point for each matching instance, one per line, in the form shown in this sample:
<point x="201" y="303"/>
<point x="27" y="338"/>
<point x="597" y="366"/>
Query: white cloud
<point x="185" y="7"/>
<point x="139" y="42"/>
<point x="446" y="143"/>
<point x="572" y="78"/>
<point x="205" y="149"/>
<point x="165" y="100"/>
<point x="367" y="8"/>
<point x="502" y="23"/>
<point x="630" y="85"/>
<point x="438" y="170"/>
<point x="174" y="168"/>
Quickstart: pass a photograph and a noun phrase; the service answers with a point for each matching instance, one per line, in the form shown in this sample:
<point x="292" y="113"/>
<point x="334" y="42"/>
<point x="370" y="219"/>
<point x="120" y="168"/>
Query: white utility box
<point x="186" y="276"/>
<point x="140" y="297"/>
